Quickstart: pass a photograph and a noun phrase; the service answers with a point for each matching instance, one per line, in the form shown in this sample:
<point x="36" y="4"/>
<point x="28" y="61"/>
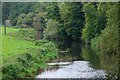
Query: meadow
<point x="22" y="56"/>
<point x="12" y="45"/>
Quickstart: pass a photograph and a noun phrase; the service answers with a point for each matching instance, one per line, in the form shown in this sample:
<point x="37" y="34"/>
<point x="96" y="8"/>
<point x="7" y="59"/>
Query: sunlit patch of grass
<point x="12" y="45"/>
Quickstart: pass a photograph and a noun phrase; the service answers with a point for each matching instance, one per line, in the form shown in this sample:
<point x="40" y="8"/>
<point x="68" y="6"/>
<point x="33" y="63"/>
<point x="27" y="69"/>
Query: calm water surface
<point x="78" y="62"/>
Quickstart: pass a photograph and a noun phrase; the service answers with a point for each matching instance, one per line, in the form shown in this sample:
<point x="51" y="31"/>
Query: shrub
<point x="28" y="64"/>
<point x="26" y="33"/>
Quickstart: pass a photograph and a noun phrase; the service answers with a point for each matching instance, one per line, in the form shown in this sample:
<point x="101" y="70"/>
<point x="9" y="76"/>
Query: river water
<point x="78" y="62"/>
<point x="76" y="69"/>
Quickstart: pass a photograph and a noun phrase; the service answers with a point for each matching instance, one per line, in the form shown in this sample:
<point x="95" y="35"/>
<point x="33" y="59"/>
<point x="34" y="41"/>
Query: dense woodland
<point x="95" y="24"/>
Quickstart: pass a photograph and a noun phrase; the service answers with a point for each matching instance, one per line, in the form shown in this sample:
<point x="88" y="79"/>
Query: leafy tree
<point x="14" y="12"/>
<point x="95" y="20"/>
<point x="52" y="29"/>
<point x="5" y="11"/>
<point x="40" y="7"/>
<point x="20" y="20"/>
<point x="14" y="9"/>
<point x="39" y="25"/>
<point x="29" y="19"/>
<point x="109" y="39"/>
<point x="72" y="16"/>
<point x="90" y="12"/>
<point x="53" y="11"/>
<point x="25" y="20"/>
<point x="101" y="17"/>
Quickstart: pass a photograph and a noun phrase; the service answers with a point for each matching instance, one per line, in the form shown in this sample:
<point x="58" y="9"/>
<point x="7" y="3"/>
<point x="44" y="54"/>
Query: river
<point x="78" y="62"/>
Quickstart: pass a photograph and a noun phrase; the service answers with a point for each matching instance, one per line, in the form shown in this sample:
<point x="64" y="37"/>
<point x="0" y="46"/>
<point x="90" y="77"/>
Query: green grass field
<point x="22" y="55"/>
<point x="12" y="45"/>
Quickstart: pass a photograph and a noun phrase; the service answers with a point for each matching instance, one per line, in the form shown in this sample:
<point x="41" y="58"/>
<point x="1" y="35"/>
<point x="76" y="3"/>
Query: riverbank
<point x="22" y="56"/>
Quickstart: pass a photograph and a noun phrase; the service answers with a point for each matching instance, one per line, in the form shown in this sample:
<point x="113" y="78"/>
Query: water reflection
<point x="89" y="55"/>
<point x="78" y="69"/>
<point x="73" y="50"/>
<point x="107" y="62"/>
<point x="83" y="58"/>
<point x="110" y="64"/>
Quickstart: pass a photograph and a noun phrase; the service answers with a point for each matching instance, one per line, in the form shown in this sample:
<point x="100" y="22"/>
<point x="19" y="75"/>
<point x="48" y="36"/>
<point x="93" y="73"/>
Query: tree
<point x="109" y="39"/>
<point x="73" y="19"/>
<point x="29" y="19"/>
<point x="53" y="11"/>
<point x="52" y="29"/>
<point x="20" y="20"/>
<point x="5" y="11"/>
<point x="39" y="25"/>
<point x="95" y="20"/>
<point x="101" y="17"/>
<point x="90" y="13"/>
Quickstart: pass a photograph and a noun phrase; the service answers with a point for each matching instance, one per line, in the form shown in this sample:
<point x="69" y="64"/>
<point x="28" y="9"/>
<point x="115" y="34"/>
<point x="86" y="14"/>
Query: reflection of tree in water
<point x="75" y="50"/>
<point x="72" y="49"/>
<point x="89" y="55"/>
<point x="110" y="64"/>
<point x="107" y="62"/>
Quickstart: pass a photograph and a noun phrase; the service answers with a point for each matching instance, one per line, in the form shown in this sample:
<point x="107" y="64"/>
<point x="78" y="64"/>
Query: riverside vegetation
<point x="94" y="24"/>
<point x="24" y="57"/>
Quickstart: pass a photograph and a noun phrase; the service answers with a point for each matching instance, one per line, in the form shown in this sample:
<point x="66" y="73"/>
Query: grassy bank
<point x="22" y="56"/>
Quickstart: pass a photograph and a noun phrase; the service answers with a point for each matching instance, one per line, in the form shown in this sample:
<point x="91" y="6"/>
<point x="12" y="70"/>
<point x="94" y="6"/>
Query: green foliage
<point x="101" y="20"/>
<point x="27" y="34"/>
<point x="53" y="11"/>
<point x="109" y="38"/>
<point x="95" y="44"/>
<point x="90" y="18"/>
<point x="25" y="20"/>
<point x="51" y="29"/>
<point x="95" y="22"/>
<point x="95" y="19"/>
<point x="29" y="57"/>
<point x="84" y="34"/>
<point x="13" y="9"/>
<point x="72" y="16"/>
<point x="10" y="72"/>
<point x="41" y="7"/>
<point x="20" y="20"/>
<point x="5" y="11"/>
<point x="107" y="42"/>
<point x="29" y="19"/>
<point x="39" y="25"/>
<point x="88" y="53"/>
<point x="27" y="64"/>
<point x="41" y="42"/>
<point x="39" y="21"/>
<point x="102" y="27"/>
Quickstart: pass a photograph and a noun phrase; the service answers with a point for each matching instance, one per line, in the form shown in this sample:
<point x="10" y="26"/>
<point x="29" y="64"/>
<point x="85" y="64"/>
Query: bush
<point x="26" y="33"/>
<point x="25" y="20"/>
<point x="95" y="44"/>
<point x="28" y="64"/>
